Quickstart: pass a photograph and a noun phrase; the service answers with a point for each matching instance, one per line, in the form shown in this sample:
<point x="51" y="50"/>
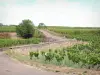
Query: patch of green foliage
<point x="78" y="56"/>
<point x="87" y="54"/>
<point x="52" y="57"/>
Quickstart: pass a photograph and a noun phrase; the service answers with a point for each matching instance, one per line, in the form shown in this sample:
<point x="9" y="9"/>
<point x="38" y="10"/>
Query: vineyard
<point x="78" y="56"/>
<point x="81" y="56"/>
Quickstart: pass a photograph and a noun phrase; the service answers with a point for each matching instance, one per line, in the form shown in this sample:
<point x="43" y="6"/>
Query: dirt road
<point x="11" y="67"/>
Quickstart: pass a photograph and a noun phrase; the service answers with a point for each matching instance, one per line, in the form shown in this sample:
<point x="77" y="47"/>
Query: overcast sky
<point x="51" y="12"/>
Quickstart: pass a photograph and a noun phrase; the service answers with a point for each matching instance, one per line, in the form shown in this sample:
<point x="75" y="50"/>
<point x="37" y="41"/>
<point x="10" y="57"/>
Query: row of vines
<point x="78" y="56"/>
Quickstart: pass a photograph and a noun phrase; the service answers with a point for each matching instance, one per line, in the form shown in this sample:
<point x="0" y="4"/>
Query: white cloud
<point x="58" y="13"/>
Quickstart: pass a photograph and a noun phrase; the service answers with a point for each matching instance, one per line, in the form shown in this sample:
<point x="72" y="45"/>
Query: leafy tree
<point x="42" y="25"/>
<point x="25" y="29"/>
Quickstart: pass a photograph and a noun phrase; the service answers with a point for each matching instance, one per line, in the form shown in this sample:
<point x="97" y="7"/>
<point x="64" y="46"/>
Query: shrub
<point x="25" y="29"/>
